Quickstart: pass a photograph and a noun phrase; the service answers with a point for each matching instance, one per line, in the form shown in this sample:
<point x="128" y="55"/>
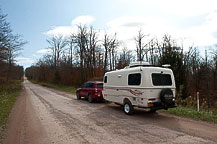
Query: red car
<point x="91" y="90"/>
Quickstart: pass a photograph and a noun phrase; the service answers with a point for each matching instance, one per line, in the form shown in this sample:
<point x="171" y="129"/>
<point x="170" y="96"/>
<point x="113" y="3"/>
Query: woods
<point x="11" y="74"/>
<point x="10" y="46"/>
<point x="84" y="56"/>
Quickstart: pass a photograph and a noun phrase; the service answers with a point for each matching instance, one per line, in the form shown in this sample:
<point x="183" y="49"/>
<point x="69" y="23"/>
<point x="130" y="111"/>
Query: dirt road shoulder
<point x="23" y="125"/>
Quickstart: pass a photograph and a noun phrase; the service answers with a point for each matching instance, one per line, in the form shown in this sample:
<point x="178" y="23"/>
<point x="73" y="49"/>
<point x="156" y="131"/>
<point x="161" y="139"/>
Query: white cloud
<point x="86" y="19"/>
<point x="189" y="22"/>
<point x="68" y="30"/>
<point x="200" y="35"/>
<point x="61" y="30"/>
<point x="180" y="7"/>
<point x="127" y="28"/>
<point x="43" y="51"/>
<point x="24" y="60"/>
<point x="133" y="21"/>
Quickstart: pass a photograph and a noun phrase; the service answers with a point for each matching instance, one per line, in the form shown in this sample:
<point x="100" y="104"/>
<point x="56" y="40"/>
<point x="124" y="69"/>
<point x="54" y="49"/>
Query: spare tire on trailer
<point x="167" y="97"/>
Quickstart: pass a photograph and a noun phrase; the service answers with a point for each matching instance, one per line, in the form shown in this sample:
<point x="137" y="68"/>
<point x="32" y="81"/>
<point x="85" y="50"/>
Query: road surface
<point x="47" y="116"/>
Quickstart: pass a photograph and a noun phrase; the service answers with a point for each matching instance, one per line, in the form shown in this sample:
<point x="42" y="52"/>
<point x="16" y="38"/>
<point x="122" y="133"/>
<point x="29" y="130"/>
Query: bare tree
<point x="110" y="44"/>
<point x="5" y="32"/>
<point x="57" y="44"/>
<point x="10" y="45"/>
<point x="125" y="57"/>
<point x="81" y="44"/>
<point x="92" y="45"/>
<point x="14" y="46"/>
<point x="214" y="67"/>
<point x="113" y="52"/>
<point x="106" y="43"/>
<point x="141" y="49"/>
<point x="70" y="43"/>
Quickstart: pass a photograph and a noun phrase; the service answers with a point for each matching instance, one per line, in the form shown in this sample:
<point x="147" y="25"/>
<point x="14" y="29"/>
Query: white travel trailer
<point x="141" y="85"/>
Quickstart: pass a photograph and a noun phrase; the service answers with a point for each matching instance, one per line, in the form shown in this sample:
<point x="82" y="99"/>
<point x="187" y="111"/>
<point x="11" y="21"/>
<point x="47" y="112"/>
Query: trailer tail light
<point x="150" y="102"/>
<point x="151" y="99"/>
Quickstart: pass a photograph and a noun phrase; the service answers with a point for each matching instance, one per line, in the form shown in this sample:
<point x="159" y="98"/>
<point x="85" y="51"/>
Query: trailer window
<point x="161" y="79"/>
<point x="105" y="79"/>
<point x="134" y="79"/>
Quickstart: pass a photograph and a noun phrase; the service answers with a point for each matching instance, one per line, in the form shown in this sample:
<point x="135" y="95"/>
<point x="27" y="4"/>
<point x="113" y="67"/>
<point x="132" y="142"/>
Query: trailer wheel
<point x="128" y="108"/>
<point x="78" y="96"/>
<point x="89" y="98"/>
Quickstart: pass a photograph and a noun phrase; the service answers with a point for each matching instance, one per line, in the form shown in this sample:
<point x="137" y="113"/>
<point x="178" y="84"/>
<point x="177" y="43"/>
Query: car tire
<point x="89" y="98"/>
<point x="128" y="108"/>
<point x="78" y="96"/>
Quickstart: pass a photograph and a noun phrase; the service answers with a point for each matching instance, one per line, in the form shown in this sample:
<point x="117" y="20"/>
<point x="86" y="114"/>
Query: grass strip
<point x="65" y="88"/>
<point x="8" y="94"/>
<point x="192" y="113"/>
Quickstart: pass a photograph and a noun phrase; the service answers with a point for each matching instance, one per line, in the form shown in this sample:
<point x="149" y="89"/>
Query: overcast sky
<point x="190" y="22"/>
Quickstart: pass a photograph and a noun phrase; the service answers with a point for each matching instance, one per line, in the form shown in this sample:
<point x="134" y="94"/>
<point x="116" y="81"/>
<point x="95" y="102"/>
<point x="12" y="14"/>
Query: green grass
<point x="8" y="94"/>
<point x="210" y="116"/>
<point x="65" y="88"/>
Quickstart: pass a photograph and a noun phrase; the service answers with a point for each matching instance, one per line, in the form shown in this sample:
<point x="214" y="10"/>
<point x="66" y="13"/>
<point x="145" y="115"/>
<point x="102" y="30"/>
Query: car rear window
<point x="99" y="85"/>
<point x="89" y="85"/>
<point x="161" y="79"/>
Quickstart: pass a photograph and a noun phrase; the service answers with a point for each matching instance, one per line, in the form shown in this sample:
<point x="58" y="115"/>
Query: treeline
<point x="84" y="56"/>
<point x="10" y="45"/>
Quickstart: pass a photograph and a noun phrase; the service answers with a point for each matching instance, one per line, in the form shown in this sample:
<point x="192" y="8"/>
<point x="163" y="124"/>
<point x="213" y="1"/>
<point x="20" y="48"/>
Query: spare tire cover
<point x="166" y="96"/>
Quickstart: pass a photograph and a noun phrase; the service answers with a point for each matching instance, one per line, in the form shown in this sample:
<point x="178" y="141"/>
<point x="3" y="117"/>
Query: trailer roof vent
<point x="139" y="63"/>
<point x="166" y="65"/>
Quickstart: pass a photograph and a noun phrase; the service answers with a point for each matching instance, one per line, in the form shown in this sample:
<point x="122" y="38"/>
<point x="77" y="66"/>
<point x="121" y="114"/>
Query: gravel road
<point x="45" y="116"/>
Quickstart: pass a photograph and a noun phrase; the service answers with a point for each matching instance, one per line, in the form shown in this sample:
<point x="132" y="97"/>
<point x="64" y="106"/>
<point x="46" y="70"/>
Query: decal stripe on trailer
<point x="134" y="92"/>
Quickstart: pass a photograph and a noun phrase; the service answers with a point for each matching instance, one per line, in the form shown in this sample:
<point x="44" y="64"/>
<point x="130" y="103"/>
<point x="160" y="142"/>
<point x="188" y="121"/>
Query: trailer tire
<point x="166" y="97"/>
<point x="128" y="108"/>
